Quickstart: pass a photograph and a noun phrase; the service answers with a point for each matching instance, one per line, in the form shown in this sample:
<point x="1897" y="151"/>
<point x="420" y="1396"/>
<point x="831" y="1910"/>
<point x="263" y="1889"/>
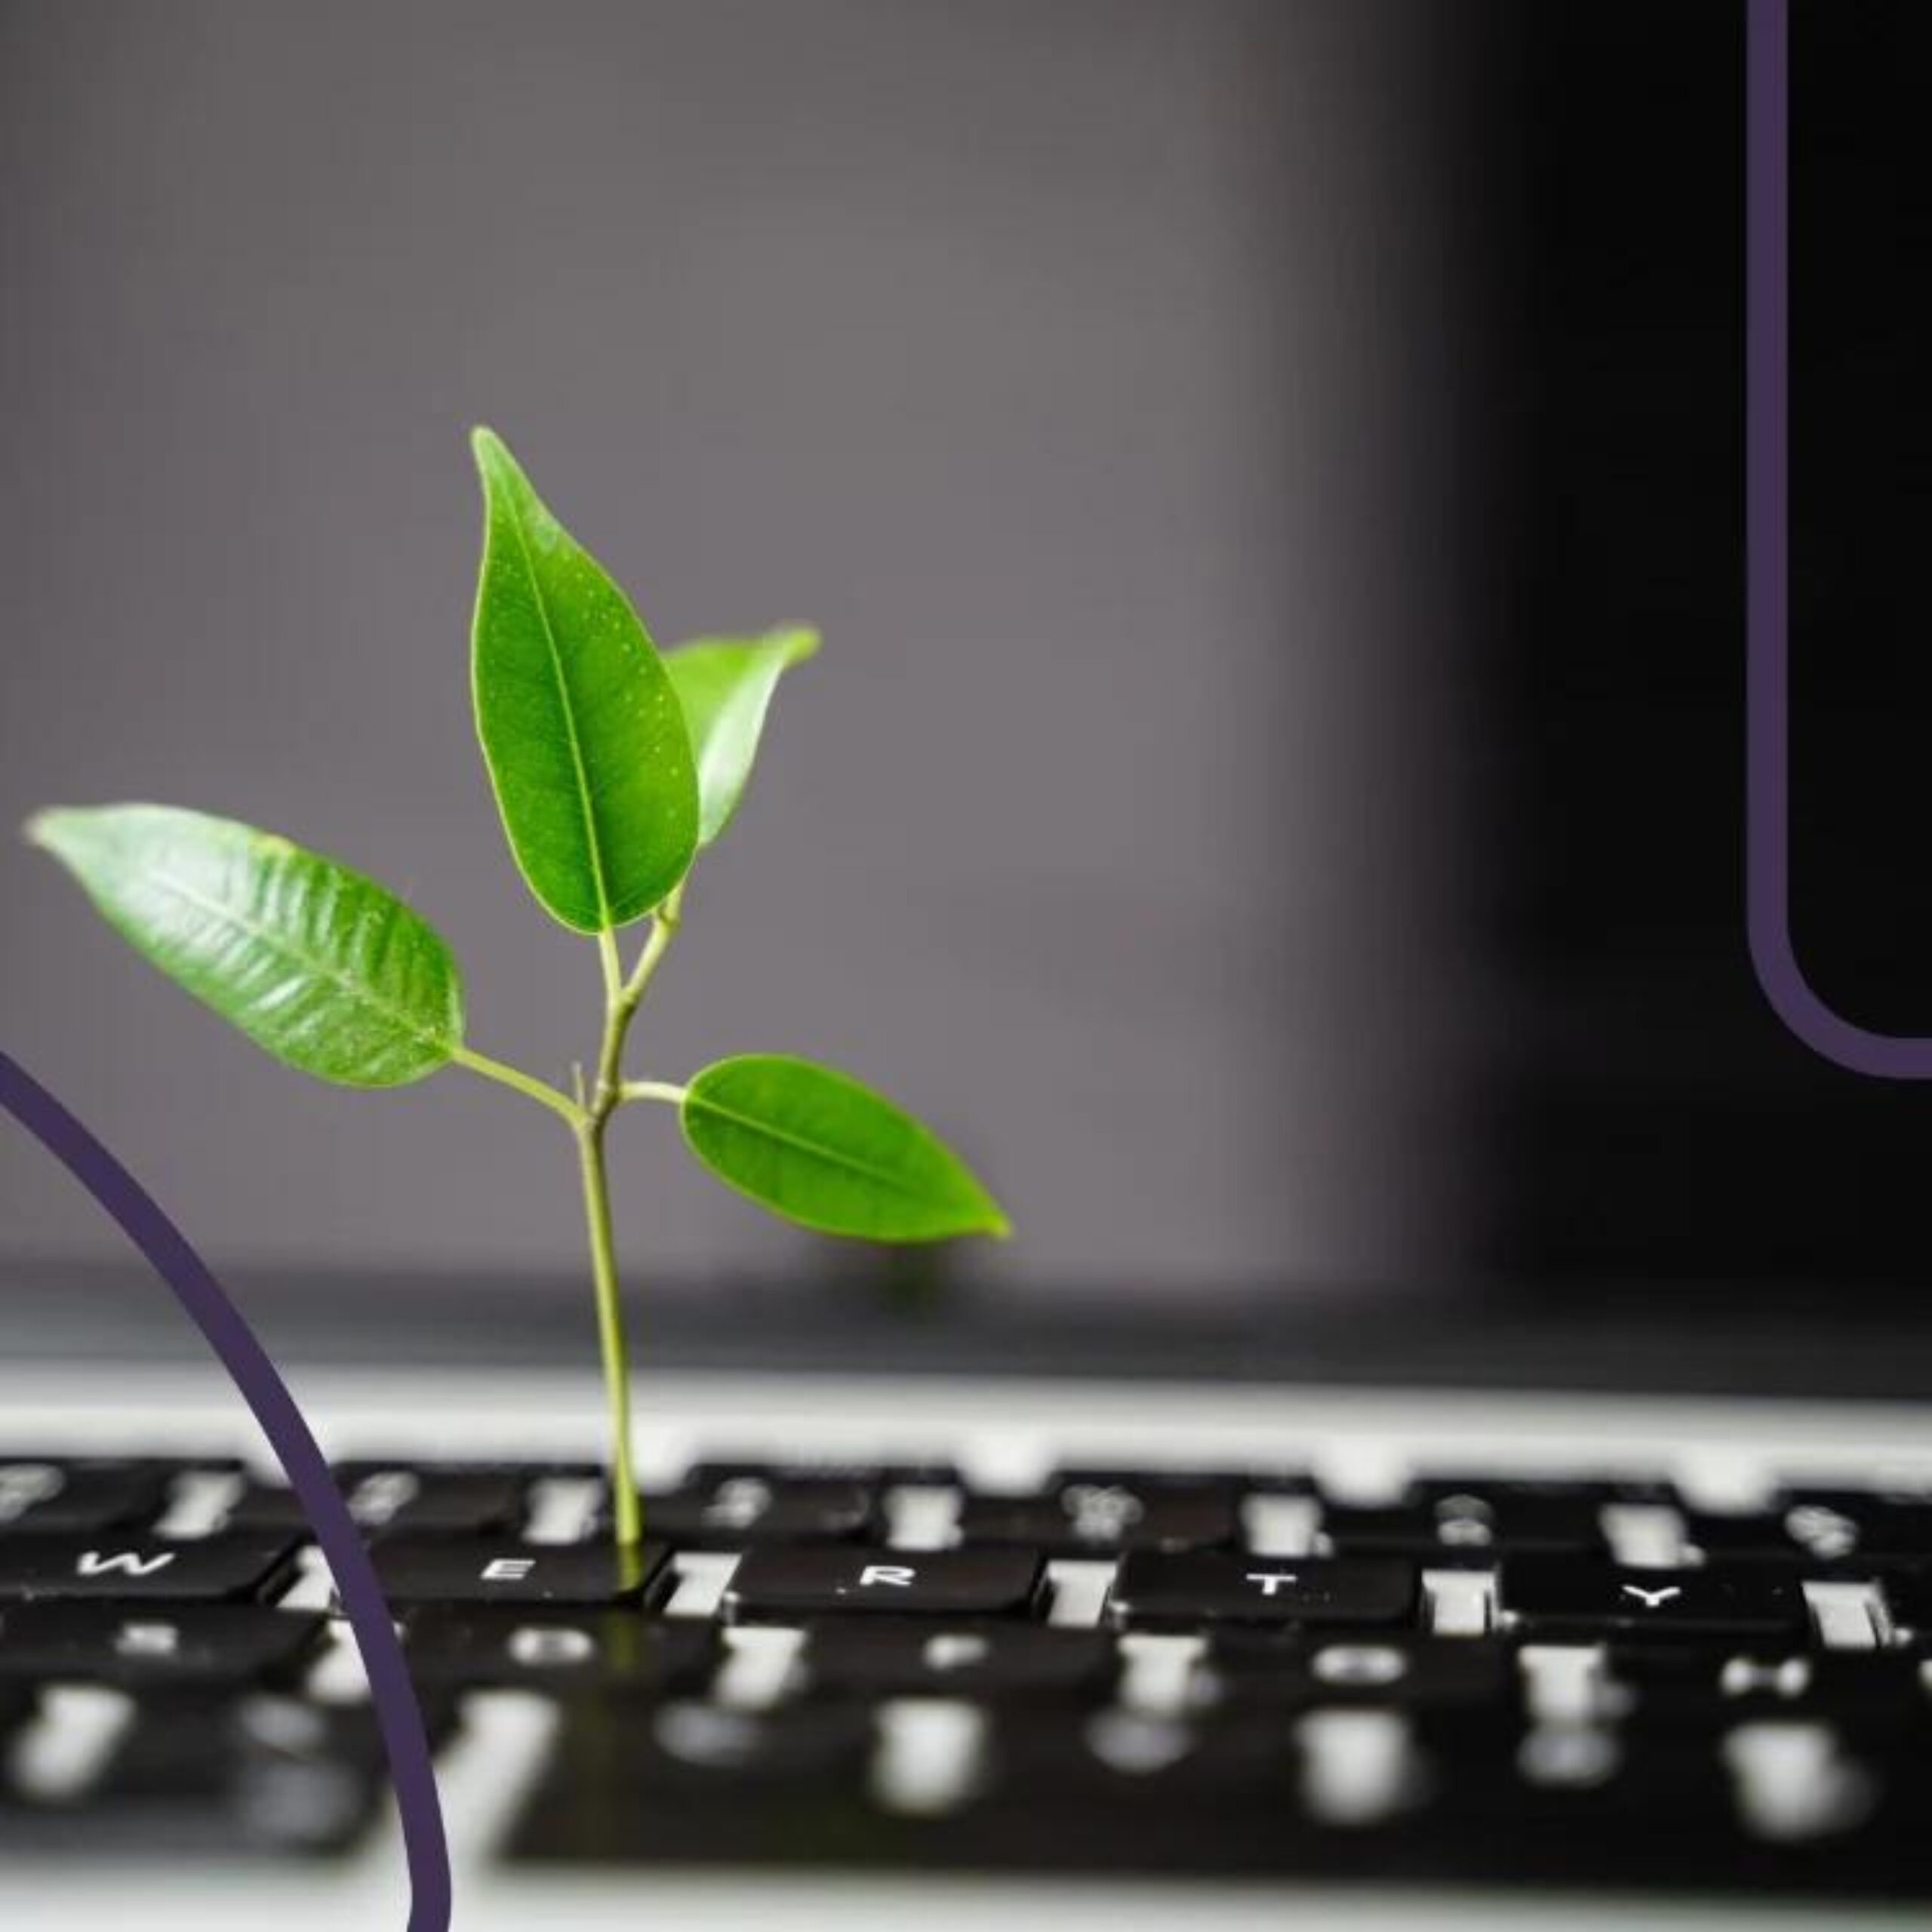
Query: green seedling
<point x="614" y="768"/>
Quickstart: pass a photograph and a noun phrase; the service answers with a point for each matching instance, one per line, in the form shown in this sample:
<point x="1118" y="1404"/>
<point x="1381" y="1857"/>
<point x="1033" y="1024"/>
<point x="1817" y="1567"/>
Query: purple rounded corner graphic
<point x="404" y="1740"/>
<point x="1768" y="672"/>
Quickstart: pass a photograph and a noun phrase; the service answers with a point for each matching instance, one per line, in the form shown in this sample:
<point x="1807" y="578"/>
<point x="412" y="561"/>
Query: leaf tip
<point x="798" y="642"/>
<point x="495" y="465"/>
<point x="49" y="828"/>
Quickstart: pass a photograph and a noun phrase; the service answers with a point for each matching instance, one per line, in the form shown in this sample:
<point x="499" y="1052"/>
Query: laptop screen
<point x="1270" y="479"/>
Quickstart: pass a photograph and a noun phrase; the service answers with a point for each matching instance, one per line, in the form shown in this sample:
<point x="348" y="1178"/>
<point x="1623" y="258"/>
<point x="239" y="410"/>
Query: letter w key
<point x="214" y="1569"/>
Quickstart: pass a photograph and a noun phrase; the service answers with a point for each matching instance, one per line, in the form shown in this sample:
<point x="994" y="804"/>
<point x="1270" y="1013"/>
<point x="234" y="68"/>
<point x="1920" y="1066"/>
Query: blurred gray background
<point x="1087" y="369"/>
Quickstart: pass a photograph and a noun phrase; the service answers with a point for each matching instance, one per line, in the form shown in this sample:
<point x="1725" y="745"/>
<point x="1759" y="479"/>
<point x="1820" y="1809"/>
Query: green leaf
<point x="582" y="731"/>
<point x="725" y="686"/>
<point x="322" y="967"/>
<point x="820" y="1149"/>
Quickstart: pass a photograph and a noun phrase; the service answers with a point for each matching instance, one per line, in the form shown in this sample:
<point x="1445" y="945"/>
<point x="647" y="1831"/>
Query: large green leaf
<point x="582" y="731"/>
<point x="725" y="686"/>
<point x="821" y="1150"/>
<point x="322" y="967"/>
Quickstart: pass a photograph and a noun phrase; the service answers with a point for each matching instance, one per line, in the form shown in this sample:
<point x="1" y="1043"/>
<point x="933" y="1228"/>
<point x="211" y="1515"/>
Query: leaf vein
<point x="800" y="1144"/>
<point x="586" y="802"/>
<point x="269" y="936"/>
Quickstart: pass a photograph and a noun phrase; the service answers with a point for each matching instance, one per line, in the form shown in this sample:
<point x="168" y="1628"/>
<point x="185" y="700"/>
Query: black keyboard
<point x="1482" y="1679"/>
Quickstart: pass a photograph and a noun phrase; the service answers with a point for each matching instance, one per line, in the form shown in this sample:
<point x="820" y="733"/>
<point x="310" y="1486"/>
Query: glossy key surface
<point x="558" y="1652"/>
<point x="735" y="1511"/>
<point x="1733" y="1602"/>
<point x="62" y="1496"/>
<point x="416" y="1570"/>
<point x="1102" y="1519"/>
<point x="778" y="1585"/>
<point x="156" y="1646"/>
<point x="974" y="1660"/>
<point x="209" y="1569"/>
<point x="1158" y="1591"/>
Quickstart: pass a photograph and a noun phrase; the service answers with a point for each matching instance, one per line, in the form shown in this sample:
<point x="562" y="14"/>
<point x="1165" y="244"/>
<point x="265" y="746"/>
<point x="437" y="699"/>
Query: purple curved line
<point x="141" y="1220"/>
<point x="1767" y="616"/>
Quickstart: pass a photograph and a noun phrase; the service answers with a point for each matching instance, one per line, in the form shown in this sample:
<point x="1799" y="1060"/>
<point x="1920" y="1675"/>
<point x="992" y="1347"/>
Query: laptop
<point x="1448" y="1443"/>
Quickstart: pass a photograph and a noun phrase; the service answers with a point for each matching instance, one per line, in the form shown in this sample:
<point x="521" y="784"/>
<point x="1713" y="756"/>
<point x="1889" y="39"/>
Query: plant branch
<point x="664" y="925"/>
<point x="652" y="1090"/>
<point x="515" y="1078"/>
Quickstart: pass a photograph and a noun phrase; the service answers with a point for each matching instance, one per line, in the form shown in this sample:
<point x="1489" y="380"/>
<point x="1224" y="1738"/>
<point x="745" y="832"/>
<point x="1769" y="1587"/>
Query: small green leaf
<point x="581" y="730"/>
<point x="725" y="686"/>
<point x="820" y="1149"/>
<point x="325" y="968"/>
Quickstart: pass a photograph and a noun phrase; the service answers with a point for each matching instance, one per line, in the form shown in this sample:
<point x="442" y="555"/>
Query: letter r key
<point x="776" y="1584"/>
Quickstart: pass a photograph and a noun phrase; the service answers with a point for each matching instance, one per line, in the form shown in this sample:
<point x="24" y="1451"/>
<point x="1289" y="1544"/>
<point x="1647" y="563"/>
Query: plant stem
<point x="626" y="1515"/>
<point x="523" y="1083"/>
<point x="588" y="1114"/>
<point x="592" y="1114"/>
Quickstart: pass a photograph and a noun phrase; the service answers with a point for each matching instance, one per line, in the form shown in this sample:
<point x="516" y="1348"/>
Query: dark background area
<point x="1271" y="473"/>
<point x="1659" y="1122"/>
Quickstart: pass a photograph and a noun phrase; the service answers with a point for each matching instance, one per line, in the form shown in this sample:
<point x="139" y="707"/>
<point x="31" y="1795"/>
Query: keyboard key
<point x="207" y="1569"/>
<point x="699" y="1783"/>
<point x="1553" y="1595"/>
<point x="872" y="1658"/>
<point x="1838" y="1525"/>
<point x="273" y="1772"/>
<point x="1578" y="1803"/>
<point x="1869" y="1692"/>
<point x="266" y="1505"/>
<point x="1128" y="1791"/>
<point x="1834" y="1532"/>
<point x="1456" y="1527"/>
<point x="785" y="1585"/>
<point x="1909" y="1593"/>
<point x="703" y="1743"/>
<point x="419" y="1501"/>
<point x="434" y="1501"/>
<point x="446" y="1570"/>
<point x="1099" y="1519"/>
<point x="1381" y="1669"/>
<point x="154" y="1649"/>
<point x="57" y="1498"/>
<point x="1145" y="1766"/>
<point x="1739" y="1537"/>
<point x="607" y="1652"/>
<point x="1154" y="1591"/>
<point x="737" y="1511"/>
